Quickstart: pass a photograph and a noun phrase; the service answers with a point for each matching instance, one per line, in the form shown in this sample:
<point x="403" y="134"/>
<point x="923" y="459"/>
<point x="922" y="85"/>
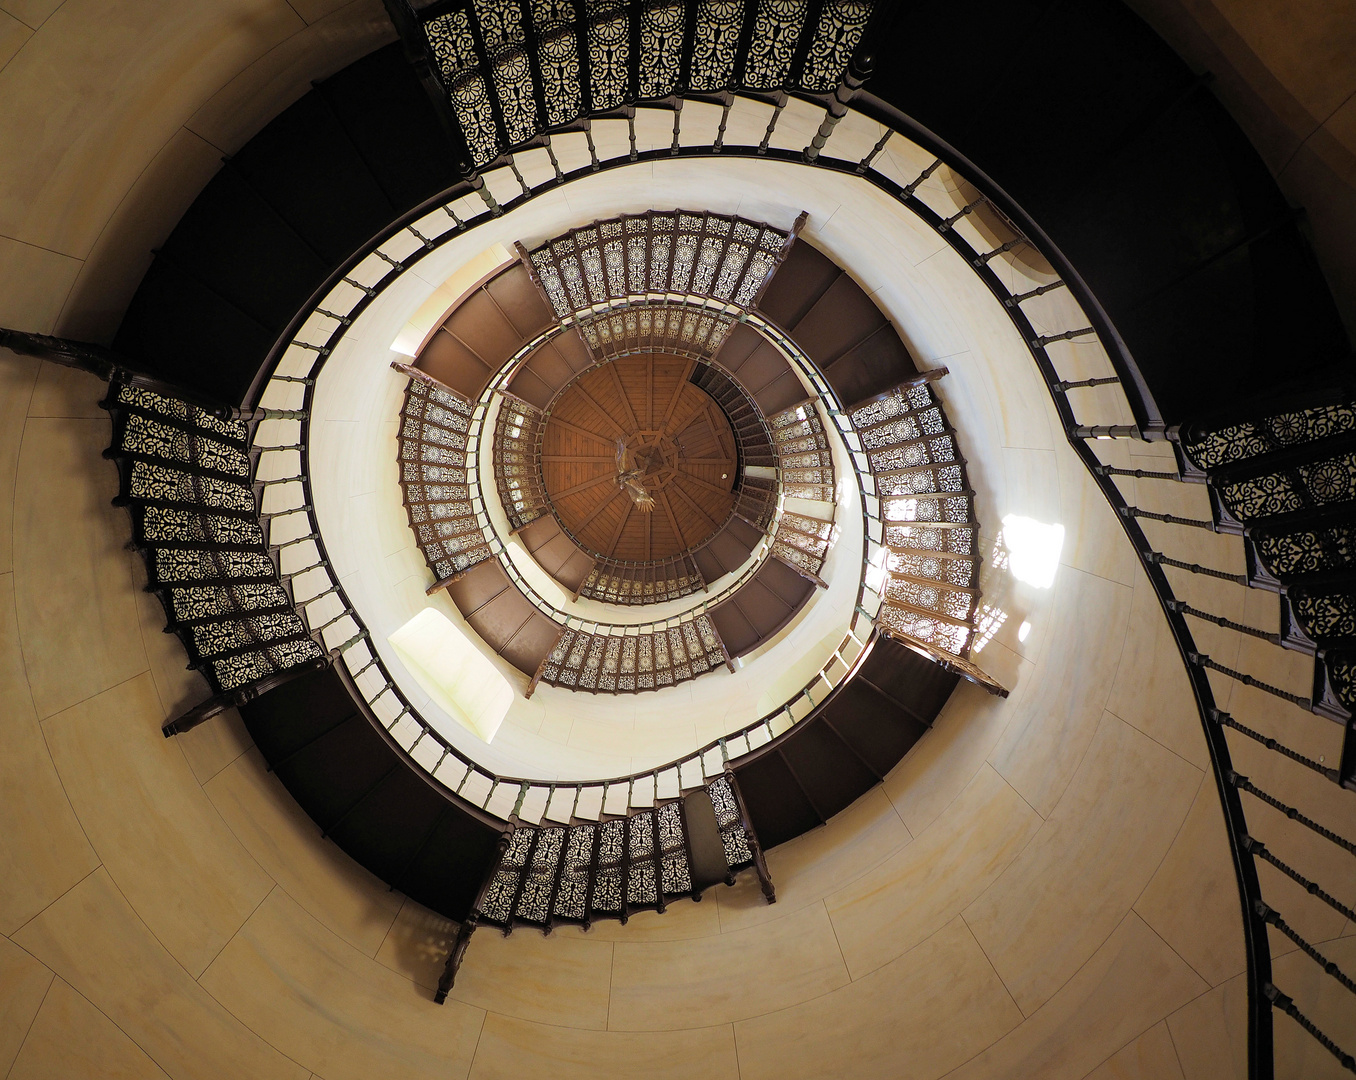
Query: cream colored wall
<point x="1040" y="889"/>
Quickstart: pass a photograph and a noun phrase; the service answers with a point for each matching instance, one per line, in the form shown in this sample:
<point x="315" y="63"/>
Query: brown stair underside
<point x="674" y="430"/>
<point x="838" y="325"/>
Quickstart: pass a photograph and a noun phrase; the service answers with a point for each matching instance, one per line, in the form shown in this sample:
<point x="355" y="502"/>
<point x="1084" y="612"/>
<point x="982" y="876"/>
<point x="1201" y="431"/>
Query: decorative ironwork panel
<point x="920" y="477"/>
<point x="678" y="252"/>
<point x="715" y="43"/>
<point x="803" y="450"/>
<point x="453" y="48"/>
<point x="776" y="33"/>
<point x="1238" y="442"/>
<point x="433" y="475"/>
<point x="841" y="25"/>
<point x="661" y="48"/>
<point x="185" y="476"/>
<point x="1326" y="615"/>
<point x="515" y="470"/>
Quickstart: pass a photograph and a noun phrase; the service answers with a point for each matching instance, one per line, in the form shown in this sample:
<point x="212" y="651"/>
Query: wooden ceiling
<point x="675" y="431"/>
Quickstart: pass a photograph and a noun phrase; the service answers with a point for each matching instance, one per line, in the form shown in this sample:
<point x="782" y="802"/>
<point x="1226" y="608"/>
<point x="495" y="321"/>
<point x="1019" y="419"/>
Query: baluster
<point x="677" y="118"/>
<point x="1183" y="608"/>
<point x="1171" y="519"/>
<point x="965" y="210"/>
<point x="1286" y="1005"/>
<point x="513" y="165"/>
<point x="1108" y="431"/>
<point x="724" y="119"/>
<point x="908" y="191"/>
<point x="1195" y="568"/>
<point x="1224" y="719"/>
<point x="1201" y="660"/>
<point x="865" y="163"/>
<point x="772" y="123"/>
<point x="550" y="153"/>
<point x="1013" y="301"/>
<point x="593" y="150"/>
<point x="1002" y="249"/>
<point x="1068" y="335"/>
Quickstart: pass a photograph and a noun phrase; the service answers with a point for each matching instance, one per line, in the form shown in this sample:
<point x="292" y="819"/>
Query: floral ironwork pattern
<point x="931" y="594"/>
<point x="516" y="475"/>
<point x="432" y="449"/>
<point x="622" y="51"/>
<point x="551" y="874"/>
<point x="1237" y="442"/>
<point x="633" y="662"/>
<point x="185" y="478"/>
<point x="654" y="254"/>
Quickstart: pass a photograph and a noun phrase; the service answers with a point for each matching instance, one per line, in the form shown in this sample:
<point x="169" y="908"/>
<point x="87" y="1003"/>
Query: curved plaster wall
<point x="1040" y="888"/>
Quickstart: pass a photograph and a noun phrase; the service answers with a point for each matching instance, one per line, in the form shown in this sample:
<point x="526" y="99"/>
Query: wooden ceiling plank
<point x="621" y="392"/>
<point x="578" y="529"/>
<point x="598" y="407"/>
<point x="726" y="492"/>
<point x="673" y="520"/>
<point x="611" y="549"/>
<point x="695" y="505"/>
<point x="581" y="459"/>
<point x="677" y="395"/>
<point x="556" y="495"/>
<point x="694" y="405"/>
<point x="605" y="439"/>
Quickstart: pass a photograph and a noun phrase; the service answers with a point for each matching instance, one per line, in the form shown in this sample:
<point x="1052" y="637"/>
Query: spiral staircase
<point x="1204" y="301"/>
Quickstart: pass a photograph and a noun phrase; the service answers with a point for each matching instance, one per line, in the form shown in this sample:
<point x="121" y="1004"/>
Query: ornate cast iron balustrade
<point x="573" y="873"/>
<point x="433" y="478"/>
<point x="932" y="590"/>
<point x="1314" y="541"/>
<point x="620" y="660"/>
<point x="506" y="74"/>
<point x="720" y="258"/>
<point x="186" y="479"/>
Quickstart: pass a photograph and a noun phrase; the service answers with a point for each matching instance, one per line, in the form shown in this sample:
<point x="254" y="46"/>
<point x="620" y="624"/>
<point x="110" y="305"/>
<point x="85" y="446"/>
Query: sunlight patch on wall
<point x="1032" y="549"/>
<point x="453" y="672"/>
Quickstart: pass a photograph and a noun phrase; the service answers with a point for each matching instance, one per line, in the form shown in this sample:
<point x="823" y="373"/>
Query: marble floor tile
<point x="510" y="1049"/>
<point x="662" y="985"/>
<point x="287" y="844"/>
<point x="24" y="983"/>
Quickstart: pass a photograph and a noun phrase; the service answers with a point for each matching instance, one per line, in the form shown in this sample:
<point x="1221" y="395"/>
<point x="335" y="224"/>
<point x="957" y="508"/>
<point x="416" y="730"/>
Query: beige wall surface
<point x="1040" y="889"/>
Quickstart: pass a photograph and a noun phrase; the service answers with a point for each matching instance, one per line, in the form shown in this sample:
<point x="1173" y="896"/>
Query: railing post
<point x="759" y="862"/>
